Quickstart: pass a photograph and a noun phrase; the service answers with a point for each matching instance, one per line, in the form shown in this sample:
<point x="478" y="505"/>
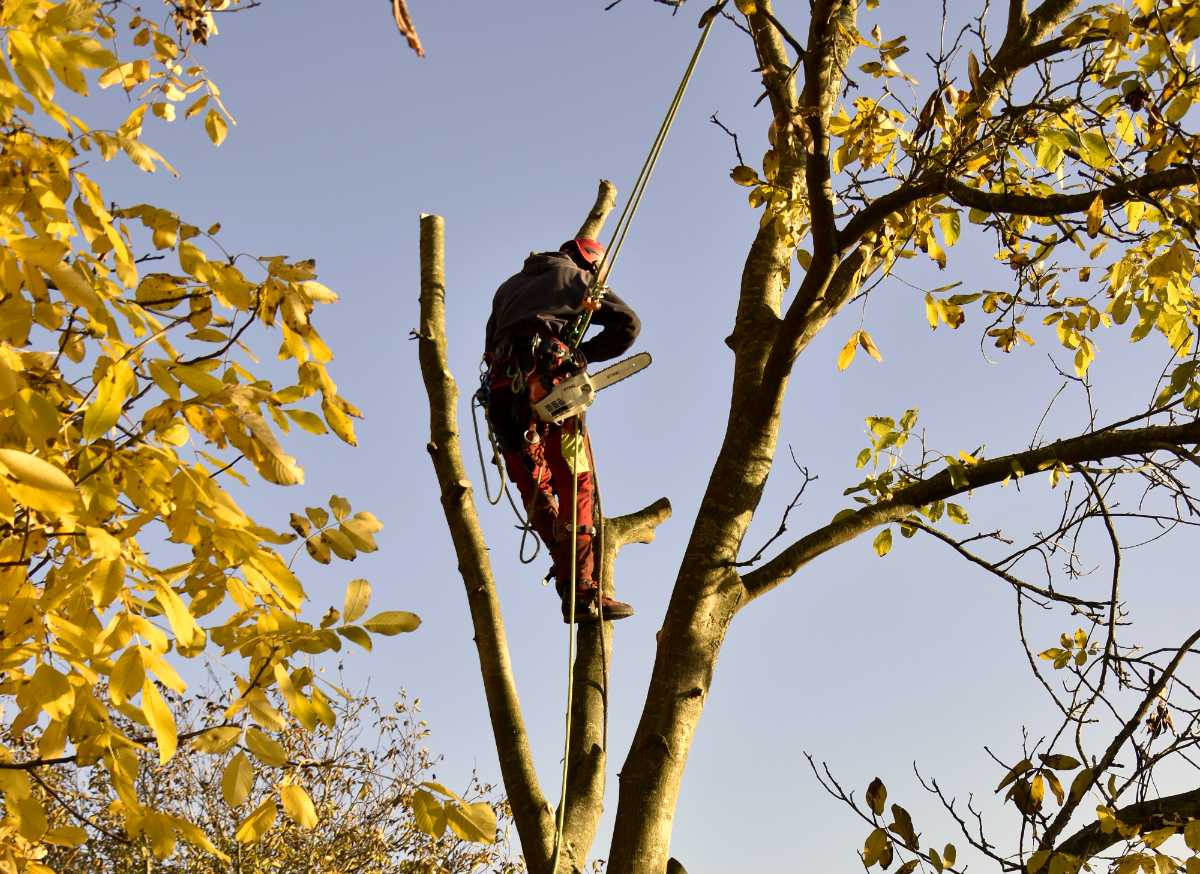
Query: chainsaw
<point x="575" y="394"/>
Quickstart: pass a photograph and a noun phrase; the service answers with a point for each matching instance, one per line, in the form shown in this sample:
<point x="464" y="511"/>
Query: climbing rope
<point x="621" y="229"/>
<point x="562" y="804"/>
<point x="620" y="232"/>
<point x="477" y="404"/>
<point x="504" y="492"/>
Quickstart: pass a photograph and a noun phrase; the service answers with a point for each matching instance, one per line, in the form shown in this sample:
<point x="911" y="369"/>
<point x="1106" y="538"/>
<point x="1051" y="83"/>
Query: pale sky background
<point x="344" y="137"/>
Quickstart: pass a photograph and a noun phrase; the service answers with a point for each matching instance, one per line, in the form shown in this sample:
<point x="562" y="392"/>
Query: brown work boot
<point x="587" y="610"/>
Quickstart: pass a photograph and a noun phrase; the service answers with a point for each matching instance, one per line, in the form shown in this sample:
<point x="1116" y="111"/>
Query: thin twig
<point x="736" y="149"/>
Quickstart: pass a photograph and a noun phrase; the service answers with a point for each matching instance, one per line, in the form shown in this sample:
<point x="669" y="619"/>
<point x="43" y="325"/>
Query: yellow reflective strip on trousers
<point x="569" y="440"/>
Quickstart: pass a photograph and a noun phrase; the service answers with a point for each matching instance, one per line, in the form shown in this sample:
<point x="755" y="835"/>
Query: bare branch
<point x="1061" y="204"/>
<point x="1088" y="447"/>
<point x="736" y="149"/>
<point x="1110" y="754"/>
<point x="1013" y="581"/>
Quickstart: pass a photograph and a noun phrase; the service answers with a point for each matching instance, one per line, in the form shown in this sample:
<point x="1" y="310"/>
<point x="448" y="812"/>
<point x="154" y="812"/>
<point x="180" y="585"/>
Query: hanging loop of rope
<point x="603" y="271"/>
<point x="523" y="522"/>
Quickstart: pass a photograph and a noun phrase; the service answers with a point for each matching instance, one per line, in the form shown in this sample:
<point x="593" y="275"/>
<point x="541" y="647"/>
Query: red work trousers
<point x="543" y="472"/>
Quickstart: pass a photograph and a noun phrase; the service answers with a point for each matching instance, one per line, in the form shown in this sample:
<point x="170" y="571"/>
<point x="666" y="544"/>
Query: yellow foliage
<point x="106" y="374"/>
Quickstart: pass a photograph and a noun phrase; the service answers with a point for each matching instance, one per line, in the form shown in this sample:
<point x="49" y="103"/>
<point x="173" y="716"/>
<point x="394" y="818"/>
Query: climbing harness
<point x="575" y="336"/>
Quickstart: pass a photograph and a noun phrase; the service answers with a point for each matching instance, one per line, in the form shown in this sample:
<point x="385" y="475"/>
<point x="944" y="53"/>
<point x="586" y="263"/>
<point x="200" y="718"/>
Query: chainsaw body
<point x="575" y="394"/>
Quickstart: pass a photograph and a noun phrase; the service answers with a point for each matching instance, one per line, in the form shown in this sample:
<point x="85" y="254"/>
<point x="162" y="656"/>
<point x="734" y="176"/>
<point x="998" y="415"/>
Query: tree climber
<point x="527" y="352"/>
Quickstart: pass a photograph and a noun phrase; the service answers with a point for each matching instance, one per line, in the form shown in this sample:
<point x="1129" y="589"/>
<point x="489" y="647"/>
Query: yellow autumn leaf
<point x="216" y="126"/>
<point x="162" y="721"/>
<point x="298" y="805"/>
<point x="52" y="691"/>
<point x="743" y="175"/>
<point x="217" y="740"/>
<point x="183" y="624"/>
<point x="392" y="622"/>
<point x="30" y="470"/>
<point x="868" y="345"/>
<point x="931" y="311"/>
<point x="111" y="393"/>
<point x="258" y="822"/>
<point x="237" y="780"/>
<point x="128" y="676"/>
<point x="358" y="596"/>
<point x="1095" y="214"/>
<point x="883" y="542"/>
<point x="846" y="356"/>
<point x="472" y="822"/>
<point x="74" y="287"/>
<point x="265" y="748"/>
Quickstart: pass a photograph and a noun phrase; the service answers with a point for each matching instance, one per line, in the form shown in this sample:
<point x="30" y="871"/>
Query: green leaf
<point x="957" y="514"/>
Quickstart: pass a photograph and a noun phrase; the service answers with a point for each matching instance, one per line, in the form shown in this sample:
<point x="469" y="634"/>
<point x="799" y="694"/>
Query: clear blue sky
<point x="344" y="137"/>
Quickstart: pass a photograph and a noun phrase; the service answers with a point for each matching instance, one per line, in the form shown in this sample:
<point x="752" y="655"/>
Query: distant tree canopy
<point x="374" y="802"/>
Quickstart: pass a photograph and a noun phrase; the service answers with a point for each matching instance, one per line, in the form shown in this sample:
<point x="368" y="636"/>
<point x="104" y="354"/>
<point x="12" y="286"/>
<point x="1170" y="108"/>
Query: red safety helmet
<point x="584" y="250"/>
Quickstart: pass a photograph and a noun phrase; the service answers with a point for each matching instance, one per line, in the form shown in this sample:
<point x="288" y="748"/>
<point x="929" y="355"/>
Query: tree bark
<point x="531" y="812"/>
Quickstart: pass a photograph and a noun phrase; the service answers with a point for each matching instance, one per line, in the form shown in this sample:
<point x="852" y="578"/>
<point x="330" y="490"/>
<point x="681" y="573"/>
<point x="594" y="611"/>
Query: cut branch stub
<point x="606" y="198"/>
